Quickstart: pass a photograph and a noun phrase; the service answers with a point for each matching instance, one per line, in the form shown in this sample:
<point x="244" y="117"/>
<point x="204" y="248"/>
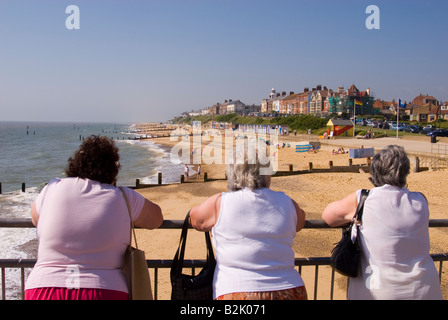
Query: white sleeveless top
<point x="395" y="243"/>
<point x="253" y="241"/>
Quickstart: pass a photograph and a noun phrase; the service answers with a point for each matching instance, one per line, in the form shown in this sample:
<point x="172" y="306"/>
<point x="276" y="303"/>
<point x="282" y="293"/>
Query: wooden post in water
<point x="137" y="183"/>
<point x="182" y="178"/>
<point x="159" y="178"/>
<point x="23" y="186"/>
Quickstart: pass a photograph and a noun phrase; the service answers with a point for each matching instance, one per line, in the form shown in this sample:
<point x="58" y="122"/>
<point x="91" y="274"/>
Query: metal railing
<point x="157" y="264"/>
<point x="439" y="148"/>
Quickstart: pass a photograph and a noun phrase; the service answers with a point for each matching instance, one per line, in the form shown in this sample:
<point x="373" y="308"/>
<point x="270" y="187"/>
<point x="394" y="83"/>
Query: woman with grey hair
<point x="253" y="230"/>
<point x="394" y="235"/>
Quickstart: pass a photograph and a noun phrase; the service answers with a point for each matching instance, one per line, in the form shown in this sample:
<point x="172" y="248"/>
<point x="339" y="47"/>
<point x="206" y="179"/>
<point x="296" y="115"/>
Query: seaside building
<point x="386" y="108"/>
<point x="429" y="112"/>
<point x="296" y="103"/>
<point x="290" y="104"/>
<point x="424" y="108"/>
<point x="317" y="98"/>
<point x="285" y="107"/>
<point x="214" y="110"/>
<point x="444" y="111"/>
<point x="277" y="105"/>
<point x="266" y="104"/>
<point x="421" y="100"/>
<point x="345" y="102"/>
<point x="321" y="101"/>
<point x="337" y="127"/>
<point x="234" y="106"/>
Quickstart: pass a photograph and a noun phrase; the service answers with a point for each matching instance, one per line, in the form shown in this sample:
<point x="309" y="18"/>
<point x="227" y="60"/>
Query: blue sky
<point x="141" y="61"/>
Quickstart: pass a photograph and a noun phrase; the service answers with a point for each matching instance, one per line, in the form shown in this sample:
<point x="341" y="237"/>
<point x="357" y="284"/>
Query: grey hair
<point x="245" y="171"/>
<point x="390" y="166"/>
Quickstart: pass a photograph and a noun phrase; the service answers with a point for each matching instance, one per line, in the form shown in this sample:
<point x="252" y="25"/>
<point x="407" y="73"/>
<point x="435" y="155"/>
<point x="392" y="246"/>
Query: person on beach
<point x="394" y="234"/>
<point x="199" y="172"/>
<point x="83" y="228"/>
<point x="186" y="171"/>
<point x="253" y="230"/>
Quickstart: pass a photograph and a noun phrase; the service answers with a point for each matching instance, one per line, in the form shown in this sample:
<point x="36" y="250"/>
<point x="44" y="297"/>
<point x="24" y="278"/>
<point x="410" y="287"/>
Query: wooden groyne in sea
<point x="205" y="178"/>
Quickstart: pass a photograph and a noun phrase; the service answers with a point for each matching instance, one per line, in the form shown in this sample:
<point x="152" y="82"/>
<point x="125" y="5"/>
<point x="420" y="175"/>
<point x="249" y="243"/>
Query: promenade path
<point x="414" y="146"/>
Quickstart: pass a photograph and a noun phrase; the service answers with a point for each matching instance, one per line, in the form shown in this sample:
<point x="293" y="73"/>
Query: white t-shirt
<point x="83" y="231"/>
<point x="253" y="241"/>
<point x="395" y="243"/>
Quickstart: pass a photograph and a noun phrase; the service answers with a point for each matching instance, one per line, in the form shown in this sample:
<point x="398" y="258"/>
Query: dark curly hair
<point x="96" y="159"/>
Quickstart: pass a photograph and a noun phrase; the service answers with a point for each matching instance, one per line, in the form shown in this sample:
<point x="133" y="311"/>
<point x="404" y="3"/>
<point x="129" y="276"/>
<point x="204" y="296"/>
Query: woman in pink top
<point x="83" y="228"/>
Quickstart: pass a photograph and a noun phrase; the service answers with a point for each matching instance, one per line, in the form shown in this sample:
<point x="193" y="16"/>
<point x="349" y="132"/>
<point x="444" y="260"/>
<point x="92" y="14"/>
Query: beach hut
<point x="340" y="128"/>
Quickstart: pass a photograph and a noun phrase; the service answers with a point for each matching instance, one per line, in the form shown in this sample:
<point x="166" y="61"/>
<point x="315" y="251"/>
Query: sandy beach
<point x="312" y="191"/>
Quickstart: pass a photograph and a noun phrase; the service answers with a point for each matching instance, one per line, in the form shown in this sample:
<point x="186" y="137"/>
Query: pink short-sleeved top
<point x="83" y="231"/>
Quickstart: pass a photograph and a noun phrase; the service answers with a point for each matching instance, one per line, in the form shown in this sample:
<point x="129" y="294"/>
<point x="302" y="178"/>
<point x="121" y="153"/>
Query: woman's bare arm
<point x="340" y="212"/>
<point x="300" y="216"/>
<point x="204" y="216"/>
<point x="150" y="217"/>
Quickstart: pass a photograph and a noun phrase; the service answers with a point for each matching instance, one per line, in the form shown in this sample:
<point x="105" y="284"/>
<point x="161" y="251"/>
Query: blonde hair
<point x="245" y="169"/>
<point x="390" y="166"/>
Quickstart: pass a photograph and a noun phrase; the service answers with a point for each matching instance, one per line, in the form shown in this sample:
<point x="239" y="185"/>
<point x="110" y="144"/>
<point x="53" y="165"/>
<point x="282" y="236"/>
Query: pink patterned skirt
<point x="298" y="293"/>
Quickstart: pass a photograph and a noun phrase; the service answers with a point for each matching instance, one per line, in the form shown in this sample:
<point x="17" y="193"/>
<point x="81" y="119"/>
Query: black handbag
<point x="345" y="257"/>
<point x="189" y="287"/>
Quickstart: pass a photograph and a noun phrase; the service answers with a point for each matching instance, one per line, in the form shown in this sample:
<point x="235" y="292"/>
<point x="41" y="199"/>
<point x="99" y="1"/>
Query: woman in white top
<point x="394" y="235"/>
<point x="83" y="228"/>
<point x="253" y="231"/>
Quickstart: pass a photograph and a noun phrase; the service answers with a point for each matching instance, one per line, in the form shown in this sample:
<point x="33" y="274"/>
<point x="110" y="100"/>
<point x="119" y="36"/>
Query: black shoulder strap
<point x="360" y="208"/>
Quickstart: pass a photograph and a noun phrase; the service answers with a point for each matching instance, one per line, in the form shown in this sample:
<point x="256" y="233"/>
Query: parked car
<point x="413" y="128"/>
<point x="428" y="128"/>
<point x="386" y="125"/>
<point x="438" y="133"/>
<point x="400" y="126"/>
<point x="406" y="128"/>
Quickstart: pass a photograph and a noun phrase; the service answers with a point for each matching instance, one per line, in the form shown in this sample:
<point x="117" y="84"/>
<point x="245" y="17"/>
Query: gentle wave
<point x="36" y="153"/>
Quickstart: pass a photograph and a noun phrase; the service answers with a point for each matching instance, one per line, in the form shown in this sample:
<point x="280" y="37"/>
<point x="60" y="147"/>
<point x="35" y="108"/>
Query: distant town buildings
<point x="324" y="102"/>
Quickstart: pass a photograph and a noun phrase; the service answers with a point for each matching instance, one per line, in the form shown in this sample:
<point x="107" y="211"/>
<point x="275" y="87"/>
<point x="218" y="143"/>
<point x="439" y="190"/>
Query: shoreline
<point x="312" y="191"/>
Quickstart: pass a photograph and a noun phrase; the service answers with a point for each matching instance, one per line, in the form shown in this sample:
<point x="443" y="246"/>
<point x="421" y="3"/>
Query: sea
<point x="33" y="153"/>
